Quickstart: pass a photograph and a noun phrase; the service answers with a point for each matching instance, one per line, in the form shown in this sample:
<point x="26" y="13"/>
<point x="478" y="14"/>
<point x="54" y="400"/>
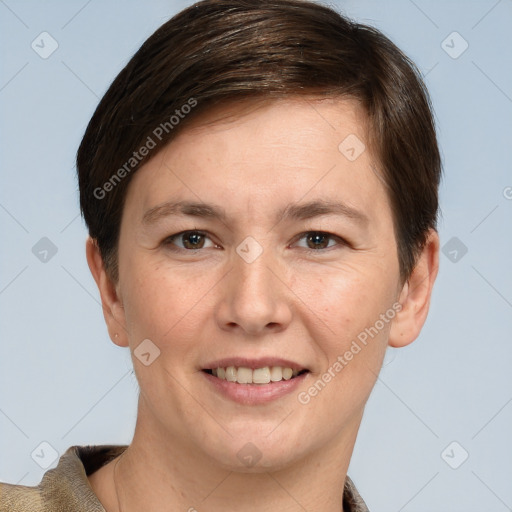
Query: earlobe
<point x="111" y="302"/>
<point x="415" y="295"/>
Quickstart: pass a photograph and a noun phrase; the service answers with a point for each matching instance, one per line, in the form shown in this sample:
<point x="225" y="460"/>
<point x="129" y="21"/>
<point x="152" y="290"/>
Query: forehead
<point x="279" y="119"/>
<point x="253" y="153"/>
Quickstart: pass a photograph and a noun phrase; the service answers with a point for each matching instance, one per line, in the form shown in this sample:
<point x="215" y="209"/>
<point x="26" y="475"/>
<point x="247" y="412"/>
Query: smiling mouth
<point x="265" y="375"/>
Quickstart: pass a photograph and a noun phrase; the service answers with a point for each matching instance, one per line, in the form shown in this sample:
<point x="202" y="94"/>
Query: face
<point x="289" y="260"/>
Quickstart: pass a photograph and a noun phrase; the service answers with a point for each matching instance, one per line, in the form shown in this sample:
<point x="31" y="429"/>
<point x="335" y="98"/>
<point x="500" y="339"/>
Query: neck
<point x="161" y="473"/>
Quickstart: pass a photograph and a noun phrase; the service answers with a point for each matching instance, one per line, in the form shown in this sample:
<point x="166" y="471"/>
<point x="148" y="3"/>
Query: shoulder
<point x="19" y="498"/>
<point x="352" y="500"/>
<point x="64" y="488"/>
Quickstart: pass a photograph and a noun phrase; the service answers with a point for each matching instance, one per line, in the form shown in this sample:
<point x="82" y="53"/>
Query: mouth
<point x="250" y="381"/>
<point x="254" y="382"/>
<point x="260" y="375"/>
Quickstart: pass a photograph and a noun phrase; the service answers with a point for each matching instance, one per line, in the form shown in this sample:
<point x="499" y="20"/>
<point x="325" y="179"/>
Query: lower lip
<point x="254" y="394"/>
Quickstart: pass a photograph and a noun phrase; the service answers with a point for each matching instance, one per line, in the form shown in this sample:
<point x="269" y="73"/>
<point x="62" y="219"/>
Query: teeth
<point x="264" y="375"/>
<point x="276" y="374"/>
<point x="231" y="374"/>
<point x="261" y="375"/>
<point x="287" y="373"/>
<point x="244" y="375"/>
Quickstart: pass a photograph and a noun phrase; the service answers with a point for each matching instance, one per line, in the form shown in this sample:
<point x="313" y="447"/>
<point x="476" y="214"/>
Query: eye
<point x="317" y="240"/>
<point x="194" y="240"/>
<point x="189" y="240"/>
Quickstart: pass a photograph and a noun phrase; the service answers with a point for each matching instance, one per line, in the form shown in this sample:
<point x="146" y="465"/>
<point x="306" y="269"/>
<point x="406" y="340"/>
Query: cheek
<point x="345" y="300"/>
<point x="350" y="304"/>
<point x="344" y="309"/>
<point x="160" y="307"/>
<point x="147" y="301"/>
<point x="162" y="301"/>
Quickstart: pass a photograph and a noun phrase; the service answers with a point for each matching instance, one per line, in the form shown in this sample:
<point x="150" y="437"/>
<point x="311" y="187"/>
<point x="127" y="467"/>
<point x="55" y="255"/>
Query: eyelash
<point x="340" y="241"/>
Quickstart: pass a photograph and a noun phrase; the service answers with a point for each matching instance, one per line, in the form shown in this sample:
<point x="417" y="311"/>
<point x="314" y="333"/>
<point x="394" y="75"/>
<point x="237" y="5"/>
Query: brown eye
<point x="193" y="240"/>
<point x="189" y="240"/>
<point x="318" y="240"/>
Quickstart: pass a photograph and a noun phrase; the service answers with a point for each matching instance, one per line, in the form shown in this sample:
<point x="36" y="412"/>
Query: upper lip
<point x="253" y="363"/>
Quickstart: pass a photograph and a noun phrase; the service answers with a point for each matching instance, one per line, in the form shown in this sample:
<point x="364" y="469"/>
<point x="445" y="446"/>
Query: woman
<point x="260" y="188"/>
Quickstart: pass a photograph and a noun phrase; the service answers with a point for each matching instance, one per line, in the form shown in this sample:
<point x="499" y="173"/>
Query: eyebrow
<point x="293" y="211"/>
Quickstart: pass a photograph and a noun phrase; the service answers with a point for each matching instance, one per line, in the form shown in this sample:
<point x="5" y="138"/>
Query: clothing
<point x="66" y="488"/>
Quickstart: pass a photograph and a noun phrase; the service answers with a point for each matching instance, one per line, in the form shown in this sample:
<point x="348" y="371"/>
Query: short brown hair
<point x="217" y="51"/>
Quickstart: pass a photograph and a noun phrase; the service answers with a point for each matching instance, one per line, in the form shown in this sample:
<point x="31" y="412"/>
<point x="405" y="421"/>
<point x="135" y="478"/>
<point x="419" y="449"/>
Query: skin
<point x="307" y="306"/>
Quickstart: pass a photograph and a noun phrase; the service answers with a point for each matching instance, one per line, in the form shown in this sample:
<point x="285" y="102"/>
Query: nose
<point x="255" y="298"/>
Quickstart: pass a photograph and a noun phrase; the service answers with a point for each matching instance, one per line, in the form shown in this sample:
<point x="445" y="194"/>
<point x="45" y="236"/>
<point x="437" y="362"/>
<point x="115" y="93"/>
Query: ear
<point x="415" y="295"/>
<point x="112" y="305"/>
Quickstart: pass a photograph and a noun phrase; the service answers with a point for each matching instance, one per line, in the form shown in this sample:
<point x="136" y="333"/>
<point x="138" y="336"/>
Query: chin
<point x="257" y="453"/>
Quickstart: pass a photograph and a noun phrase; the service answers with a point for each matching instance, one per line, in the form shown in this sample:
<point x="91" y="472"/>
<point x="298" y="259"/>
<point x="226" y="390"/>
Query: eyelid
<point x="169" y="240"/>
<point x="340" y="241"/>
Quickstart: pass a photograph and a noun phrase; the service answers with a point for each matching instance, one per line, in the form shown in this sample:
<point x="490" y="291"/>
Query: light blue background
<point x="64" y="382"/>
